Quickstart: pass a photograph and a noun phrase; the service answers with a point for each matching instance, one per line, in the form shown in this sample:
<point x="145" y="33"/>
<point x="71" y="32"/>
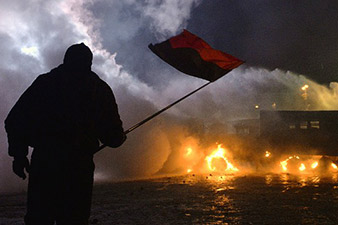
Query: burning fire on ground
<point x="309" y="164"/>
<point x="223" y="164"/>
<point x="221" y="161"/>
<point x="218" y="160"/>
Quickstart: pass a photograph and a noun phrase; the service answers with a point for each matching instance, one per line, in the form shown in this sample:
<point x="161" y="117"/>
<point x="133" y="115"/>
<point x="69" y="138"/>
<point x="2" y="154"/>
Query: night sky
<point x="286" y="44"/>
<point x="300" y="36"/>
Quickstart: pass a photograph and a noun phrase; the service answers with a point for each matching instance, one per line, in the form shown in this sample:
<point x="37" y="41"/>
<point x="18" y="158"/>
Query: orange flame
<point x="219" y="153"/>
<point x="314" y="165"/>
<point x="302" y="167"/>
<point x="305" y="87"/>
<point x="304" y="164"/>
<point x="285" y="162"/>
<point x="188" y="152"/>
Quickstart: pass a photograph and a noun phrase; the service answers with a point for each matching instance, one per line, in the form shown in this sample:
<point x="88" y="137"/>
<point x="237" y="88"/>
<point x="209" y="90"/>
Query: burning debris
<point x="308" y="164"/>
<point x="216" y="160"/>
<point x="276" y="148"/>
<point x="267" y="154"/>
<point x="219" y="160"/>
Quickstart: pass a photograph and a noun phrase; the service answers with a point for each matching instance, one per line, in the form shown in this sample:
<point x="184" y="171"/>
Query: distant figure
<point x="63" y="115"/>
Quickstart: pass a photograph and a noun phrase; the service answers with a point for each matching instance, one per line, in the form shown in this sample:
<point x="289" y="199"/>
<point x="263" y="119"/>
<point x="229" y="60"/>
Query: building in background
<point x="301" y="132"/>
<point x="311" y="132"/>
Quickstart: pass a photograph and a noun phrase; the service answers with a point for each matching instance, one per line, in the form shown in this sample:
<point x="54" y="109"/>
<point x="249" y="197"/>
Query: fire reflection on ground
<point x="207" y="199"/>
<point x="244" y="199"/>
<point x="219" y="186"/>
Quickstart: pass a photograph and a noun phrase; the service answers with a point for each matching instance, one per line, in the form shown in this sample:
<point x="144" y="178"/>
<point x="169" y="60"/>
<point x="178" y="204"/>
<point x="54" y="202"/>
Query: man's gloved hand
<point x="19" y="165"/>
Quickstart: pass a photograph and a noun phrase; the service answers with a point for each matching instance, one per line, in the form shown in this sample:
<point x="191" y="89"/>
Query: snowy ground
<point x="190" y="199"/>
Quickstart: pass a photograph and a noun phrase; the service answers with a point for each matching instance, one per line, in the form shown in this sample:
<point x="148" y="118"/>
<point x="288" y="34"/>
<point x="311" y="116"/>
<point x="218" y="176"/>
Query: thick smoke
<point x="34" y="37"/>
<point x="34" y="40"/>
<point x="206" y="118"/>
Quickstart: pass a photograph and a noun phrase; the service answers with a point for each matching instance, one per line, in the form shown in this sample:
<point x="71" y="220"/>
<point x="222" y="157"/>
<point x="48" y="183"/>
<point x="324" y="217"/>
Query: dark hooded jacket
<point x="69" y="106"/>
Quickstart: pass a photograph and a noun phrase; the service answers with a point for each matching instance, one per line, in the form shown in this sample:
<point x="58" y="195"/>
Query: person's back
<point x="63" y="115"/>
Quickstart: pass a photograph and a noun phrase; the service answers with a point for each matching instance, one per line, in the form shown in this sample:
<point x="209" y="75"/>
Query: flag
<point x="191" y="55"/>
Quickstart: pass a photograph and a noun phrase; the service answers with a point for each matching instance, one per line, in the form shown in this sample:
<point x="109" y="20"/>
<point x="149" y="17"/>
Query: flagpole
<point x="157" y="113"/>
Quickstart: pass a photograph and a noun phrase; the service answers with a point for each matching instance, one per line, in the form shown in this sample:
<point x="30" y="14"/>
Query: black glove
<point x="19" y="165"/>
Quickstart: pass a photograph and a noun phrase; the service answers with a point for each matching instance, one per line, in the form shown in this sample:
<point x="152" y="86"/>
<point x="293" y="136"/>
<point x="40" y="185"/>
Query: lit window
<point x="292" y="126"/>
<point x="314" y="124"/>
<point x="303" y="125"/>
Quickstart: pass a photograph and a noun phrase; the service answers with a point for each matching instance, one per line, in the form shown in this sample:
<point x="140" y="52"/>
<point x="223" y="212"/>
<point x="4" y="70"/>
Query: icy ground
<point x="206" y="199"/>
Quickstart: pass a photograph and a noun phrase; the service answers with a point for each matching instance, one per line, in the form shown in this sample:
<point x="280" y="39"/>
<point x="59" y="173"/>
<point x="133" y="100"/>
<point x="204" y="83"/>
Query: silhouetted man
<point x="62" y="115"/>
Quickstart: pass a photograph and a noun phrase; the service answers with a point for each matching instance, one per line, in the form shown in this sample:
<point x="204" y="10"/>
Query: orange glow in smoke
<point x="220" y="160"/>
<point x="309" y="163"/>
<point x="314" y="165"/>
<point x="305" y="87"/>
<point x="285" y="162"/>
<point x="189" y="151"/>
<point x="302" y="167"/>
<point x="218" y="157"/>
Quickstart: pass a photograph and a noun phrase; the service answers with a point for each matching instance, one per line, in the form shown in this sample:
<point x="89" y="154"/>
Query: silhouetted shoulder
<point x="103" y="85"/>
<point x="41" y="78"/>
<point x="44" y="79"/>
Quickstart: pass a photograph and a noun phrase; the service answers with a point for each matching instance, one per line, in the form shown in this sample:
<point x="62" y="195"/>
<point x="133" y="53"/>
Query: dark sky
<point x="301" y="36"/>
<point x="286" y="44"/>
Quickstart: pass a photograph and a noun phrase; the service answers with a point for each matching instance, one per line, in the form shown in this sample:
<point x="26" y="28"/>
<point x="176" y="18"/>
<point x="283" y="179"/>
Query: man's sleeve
<point x="18" y="122"/>
<point x="109" y="125"/>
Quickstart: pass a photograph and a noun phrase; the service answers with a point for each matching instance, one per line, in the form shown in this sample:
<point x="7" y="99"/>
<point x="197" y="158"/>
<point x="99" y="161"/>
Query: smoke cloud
<point x="33" y="43"/>
<point x="35" y="35"/>
<point x="206" y="117"/>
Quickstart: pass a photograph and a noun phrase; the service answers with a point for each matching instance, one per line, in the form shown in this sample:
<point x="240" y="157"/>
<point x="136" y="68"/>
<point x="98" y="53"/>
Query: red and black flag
<point x="192" y="55"/>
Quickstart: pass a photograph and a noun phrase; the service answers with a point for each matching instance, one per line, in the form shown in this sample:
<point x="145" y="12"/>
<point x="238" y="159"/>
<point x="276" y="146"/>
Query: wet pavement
<point x="207" y="199"/>
<point x="265" y="199"/>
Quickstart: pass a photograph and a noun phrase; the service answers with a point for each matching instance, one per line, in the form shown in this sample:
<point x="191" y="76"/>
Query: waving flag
<point x="192" y="55"/>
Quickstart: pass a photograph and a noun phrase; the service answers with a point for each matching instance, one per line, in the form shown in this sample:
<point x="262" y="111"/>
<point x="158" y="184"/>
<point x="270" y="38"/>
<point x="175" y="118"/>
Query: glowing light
<point x="256" y="106"/>
<point x="32" y="51"/>
<point x="302" y="167"/>
<point x="314" y="165"/>
<point x="274" y="106"/>
<point x="305" y="87"/>
<point x="189" y="170"/>
<point x="267" y="154"/>
<point x="284" y="165"/>
<point x="188" y="152"/>
<point x="334" y="166"/>
<point x="219" y="153"/>
<point x="285" y="162"/>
